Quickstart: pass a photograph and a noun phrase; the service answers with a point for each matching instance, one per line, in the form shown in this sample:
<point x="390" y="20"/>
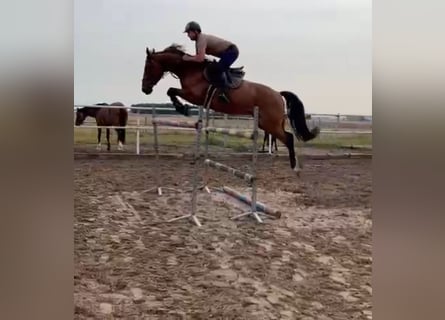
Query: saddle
<point x="232" y="78"/>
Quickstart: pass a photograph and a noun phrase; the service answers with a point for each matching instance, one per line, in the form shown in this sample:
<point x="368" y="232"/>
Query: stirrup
<point x="223" y="96"/>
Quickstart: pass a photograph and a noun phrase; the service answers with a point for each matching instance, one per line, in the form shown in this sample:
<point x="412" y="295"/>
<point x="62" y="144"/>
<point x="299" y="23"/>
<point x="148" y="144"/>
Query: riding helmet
<point x="192" y="26"/>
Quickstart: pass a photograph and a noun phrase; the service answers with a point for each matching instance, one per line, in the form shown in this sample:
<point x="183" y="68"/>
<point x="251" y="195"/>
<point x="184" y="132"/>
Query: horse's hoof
<point x="98" y="147"/>
<point x="298" y="171"/>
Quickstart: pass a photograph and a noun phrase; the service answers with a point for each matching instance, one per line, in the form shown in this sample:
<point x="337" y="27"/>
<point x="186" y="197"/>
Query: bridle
<point x="152" y="83"/>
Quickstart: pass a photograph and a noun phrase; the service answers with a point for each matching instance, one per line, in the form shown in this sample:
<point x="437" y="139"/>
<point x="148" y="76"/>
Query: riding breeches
<point x="227" y="58"/>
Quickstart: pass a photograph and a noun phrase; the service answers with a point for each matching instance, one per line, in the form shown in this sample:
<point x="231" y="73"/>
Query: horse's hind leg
<point x="108" y="140"/>
<point x="265" y="139"/>
<point x="99" y="133"/>
<point x="294" y="163"/>
<point x="287" y="139"/>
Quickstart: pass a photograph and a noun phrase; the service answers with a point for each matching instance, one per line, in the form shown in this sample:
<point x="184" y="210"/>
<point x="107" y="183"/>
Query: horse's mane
<point x="104" y="104"/>
<point x="175" y="48"/>
<point x="179" y="49"/>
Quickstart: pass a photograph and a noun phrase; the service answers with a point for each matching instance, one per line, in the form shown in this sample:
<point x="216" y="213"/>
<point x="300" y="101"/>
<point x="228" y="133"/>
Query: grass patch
<point x="341" y="140"/>
<point x="187" y="138"/>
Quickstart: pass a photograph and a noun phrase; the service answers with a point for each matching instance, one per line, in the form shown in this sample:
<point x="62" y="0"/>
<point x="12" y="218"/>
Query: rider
<point x="215" y="46"/>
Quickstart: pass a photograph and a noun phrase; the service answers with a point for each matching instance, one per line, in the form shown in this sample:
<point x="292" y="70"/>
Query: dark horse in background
<point x="244" y="95"/>
<point x="117" y="117"/>
<point x="266" y="140"/>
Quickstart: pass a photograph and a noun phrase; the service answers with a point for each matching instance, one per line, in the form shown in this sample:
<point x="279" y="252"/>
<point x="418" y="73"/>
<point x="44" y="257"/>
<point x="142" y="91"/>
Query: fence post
<point x="254" y="164"/>
<point x="156" y="145"/>
<point x="138" y="137"/>
<point x="225" y="126"/>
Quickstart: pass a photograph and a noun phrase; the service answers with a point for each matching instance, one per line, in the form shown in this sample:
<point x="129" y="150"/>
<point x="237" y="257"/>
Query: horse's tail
<point x="297" y="117"/>
<point x="123" y="118"/>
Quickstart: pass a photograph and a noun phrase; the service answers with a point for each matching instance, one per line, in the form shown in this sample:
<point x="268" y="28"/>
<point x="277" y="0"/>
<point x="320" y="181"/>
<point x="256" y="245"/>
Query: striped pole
<point x="237" y="173"/>
<point x="259" y="206"/>
<point x="232" y="132"/>
<point x="171" y="123"/>
<point x="206" y="146"/>
<point x="196" y="168"/>
<point x="209" y="97"/>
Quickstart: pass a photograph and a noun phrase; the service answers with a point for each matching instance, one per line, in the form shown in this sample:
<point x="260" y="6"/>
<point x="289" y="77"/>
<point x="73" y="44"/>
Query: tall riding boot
<point x="223" y="88"/>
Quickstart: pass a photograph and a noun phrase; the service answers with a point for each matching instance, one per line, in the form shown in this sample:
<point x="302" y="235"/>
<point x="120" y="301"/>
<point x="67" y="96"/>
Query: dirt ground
<point x="312" y="263"/>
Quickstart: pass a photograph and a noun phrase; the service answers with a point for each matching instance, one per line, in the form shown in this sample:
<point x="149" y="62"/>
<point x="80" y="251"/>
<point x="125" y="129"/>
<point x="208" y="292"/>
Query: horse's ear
<point x="147" y="50"/>
<point x="153" y="50"/>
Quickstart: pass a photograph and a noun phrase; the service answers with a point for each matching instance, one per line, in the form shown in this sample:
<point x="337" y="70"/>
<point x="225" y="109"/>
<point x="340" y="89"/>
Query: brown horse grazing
<point x="106" y="117"/>
<point x="244" y="95"/>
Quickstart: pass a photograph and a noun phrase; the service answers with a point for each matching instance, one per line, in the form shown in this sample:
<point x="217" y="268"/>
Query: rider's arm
<point x="200" y="51"/>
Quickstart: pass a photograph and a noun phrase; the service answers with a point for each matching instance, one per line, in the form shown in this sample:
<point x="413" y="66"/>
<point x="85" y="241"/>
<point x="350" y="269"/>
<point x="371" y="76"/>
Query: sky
<point x="319" y="49"/>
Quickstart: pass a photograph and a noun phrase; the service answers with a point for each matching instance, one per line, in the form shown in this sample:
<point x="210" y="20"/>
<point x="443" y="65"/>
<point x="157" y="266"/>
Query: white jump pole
<point x="253" y="207"/>
<point x="193" y="215"/>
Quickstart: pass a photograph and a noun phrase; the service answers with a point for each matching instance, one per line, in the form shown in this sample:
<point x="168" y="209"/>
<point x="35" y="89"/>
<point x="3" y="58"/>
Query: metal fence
<point x="141" y="123"/>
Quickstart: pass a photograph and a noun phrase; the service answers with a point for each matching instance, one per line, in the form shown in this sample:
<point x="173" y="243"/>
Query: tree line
<point x="163" y="109"/>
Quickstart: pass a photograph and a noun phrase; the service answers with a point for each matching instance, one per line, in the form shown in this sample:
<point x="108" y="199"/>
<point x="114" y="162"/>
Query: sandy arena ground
<point x="313" y="263"/>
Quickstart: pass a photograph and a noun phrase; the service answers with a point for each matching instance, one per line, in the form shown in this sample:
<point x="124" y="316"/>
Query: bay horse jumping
<point x="244" y="95"/>
<point x="106" y="117"/>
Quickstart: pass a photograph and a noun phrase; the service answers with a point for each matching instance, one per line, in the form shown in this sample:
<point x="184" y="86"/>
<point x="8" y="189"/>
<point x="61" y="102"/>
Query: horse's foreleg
<point x="99" y="133"/>
<point x="108" y="140"/>
<point x="174" y="93"/>
<point x="265" y="140"/>
<point x="120" y="139"/>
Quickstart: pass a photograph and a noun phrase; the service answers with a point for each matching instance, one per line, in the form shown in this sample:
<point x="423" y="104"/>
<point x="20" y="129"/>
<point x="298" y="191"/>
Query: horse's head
<point x="153" y="72"/>
<point x="157" y="63"/>
<point x="81" y="115"/>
